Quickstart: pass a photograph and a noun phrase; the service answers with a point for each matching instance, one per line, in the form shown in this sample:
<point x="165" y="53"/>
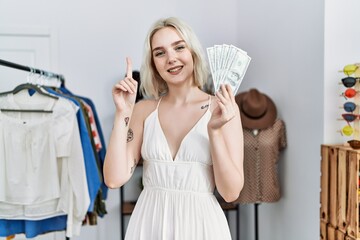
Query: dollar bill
<point x="211" y="57"/>
<point x="228" y="65"/>
<point x="236" y="71"/>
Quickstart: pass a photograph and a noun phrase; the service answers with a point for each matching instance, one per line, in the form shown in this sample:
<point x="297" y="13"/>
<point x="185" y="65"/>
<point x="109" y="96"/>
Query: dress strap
<point x="158" y="103"/>
<point x="209" y="103"/>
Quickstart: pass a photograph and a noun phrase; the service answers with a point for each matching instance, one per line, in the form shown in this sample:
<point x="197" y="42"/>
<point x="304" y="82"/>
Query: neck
<point x="182" y="95"/>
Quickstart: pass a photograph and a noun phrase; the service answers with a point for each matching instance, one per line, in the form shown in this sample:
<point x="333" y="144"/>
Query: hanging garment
<point x="178" y="200"/>
<point x="261" y="154"/>
<point x="94" y="130"/>
<point x="32" y="228"/>
<point x="92" y="171"/>
<point x="37" y="147"/>
<point x="102" y="152"/>
<point x="97" y="207"/>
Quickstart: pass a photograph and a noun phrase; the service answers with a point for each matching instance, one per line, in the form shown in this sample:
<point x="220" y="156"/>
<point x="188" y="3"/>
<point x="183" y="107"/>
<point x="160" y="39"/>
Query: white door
<point x="29" y="47"/>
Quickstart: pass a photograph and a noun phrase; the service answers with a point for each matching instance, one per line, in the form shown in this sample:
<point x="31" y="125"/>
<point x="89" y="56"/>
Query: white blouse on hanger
<point x="42" y="171"/>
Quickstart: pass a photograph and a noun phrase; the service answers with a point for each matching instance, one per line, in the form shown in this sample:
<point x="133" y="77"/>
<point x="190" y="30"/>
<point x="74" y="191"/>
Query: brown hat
<point x="257" y="110"/>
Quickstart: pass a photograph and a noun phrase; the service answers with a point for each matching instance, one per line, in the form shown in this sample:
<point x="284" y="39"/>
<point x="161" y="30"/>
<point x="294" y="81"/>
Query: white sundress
<point x="177" y="202"/>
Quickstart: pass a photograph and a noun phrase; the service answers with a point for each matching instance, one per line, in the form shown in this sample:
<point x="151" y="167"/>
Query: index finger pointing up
<point x="128" y="67"/>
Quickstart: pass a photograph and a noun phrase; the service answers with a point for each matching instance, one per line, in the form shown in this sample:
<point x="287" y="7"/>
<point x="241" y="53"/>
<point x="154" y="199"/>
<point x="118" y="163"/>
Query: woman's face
<point x="171" y="56"/>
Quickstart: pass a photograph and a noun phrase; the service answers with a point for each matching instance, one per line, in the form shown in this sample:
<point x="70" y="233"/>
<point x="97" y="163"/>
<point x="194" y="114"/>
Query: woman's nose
<point x="171" y="57"/>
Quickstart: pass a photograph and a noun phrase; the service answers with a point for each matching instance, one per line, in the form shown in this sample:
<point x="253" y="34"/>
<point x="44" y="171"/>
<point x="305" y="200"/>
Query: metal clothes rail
<point x="32" y="70"/>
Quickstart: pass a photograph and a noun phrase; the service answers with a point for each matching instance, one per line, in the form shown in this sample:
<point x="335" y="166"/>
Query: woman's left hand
<point x="226" y="108"/>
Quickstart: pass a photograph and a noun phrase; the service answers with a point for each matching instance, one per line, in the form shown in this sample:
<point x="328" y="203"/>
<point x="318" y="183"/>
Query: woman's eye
<point x="159" y="53"/>
<point x="180" y="47"/>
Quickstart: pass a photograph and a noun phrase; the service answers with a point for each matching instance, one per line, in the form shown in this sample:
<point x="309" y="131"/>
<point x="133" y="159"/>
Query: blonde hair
<point x="152" y="84"/>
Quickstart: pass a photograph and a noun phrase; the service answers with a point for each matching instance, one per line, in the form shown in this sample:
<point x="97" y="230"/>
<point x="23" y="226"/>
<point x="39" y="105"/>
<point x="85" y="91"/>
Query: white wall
<point x="285" y="40"/>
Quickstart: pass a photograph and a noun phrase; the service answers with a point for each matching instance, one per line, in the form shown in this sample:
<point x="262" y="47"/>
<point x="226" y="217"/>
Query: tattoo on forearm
<point x="204" y="106"/>
<point x="130" y="135"/>
<point x="133" y="167"/>
<point x="126" y="121"/>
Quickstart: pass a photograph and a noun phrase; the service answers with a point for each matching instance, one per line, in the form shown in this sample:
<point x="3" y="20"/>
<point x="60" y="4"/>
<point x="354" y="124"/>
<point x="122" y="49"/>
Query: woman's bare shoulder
<point x="145" y="107"/>
<point x="146" y="103"/>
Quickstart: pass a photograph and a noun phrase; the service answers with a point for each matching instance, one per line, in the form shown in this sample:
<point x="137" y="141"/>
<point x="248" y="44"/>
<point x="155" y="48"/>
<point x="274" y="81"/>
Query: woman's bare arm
<point x="227" y="146"/>
<point x="123" y="152"/>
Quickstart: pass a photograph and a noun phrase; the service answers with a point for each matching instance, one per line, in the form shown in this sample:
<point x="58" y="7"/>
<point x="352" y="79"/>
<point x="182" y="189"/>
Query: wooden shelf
<point x="128" y="207"/>
<point x="228" y="206"/>
<point x="225" y="205"/>
<point x="339" y="197"/>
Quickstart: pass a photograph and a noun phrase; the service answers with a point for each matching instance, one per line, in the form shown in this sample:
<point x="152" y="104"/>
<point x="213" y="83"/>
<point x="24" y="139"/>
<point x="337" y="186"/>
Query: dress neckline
<point x="174" y="158"/>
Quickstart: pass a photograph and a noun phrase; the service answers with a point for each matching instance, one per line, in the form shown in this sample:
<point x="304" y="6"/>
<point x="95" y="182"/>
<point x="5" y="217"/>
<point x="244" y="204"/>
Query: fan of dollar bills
<point x="228" y="65"/>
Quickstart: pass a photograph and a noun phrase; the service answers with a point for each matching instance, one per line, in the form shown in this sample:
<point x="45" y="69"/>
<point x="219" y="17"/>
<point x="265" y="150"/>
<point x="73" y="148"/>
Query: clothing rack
<point x="36" y="71"/>
<point x="32" y="70"/>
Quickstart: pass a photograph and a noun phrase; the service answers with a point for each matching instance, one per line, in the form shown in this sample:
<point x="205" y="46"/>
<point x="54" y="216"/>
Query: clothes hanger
<point x="29" y="86"/>
<point x="34" y="85"/>
<point x="26" y="110"/>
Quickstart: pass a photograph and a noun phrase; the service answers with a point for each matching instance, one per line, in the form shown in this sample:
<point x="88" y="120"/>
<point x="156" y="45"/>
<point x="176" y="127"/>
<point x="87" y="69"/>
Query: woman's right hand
<point x="124" y="92"/>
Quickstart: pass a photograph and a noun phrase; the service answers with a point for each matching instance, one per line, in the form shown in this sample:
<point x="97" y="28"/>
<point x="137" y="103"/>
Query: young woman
<point x="190" y="141"/>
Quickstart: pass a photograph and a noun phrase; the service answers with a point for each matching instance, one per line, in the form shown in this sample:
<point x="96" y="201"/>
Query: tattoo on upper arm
<point x="133" y="167"/>
<point x="130" y="135"/>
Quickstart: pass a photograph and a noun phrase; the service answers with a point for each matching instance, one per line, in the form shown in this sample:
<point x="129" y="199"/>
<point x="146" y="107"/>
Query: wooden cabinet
<point x="339" y="195"/>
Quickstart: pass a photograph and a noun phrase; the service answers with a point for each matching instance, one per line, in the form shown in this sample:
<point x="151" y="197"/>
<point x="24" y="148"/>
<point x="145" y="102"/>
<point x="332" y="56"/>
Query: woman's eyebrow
<point x="173" y="44"/>
<point x="177" y="42"/>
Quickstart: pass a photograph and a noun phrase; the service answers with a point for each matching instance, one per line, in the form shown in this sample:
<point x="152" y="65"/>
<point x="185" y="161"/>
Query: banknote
<point x="211" y="56"/>
<point x="228" y="65"/>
